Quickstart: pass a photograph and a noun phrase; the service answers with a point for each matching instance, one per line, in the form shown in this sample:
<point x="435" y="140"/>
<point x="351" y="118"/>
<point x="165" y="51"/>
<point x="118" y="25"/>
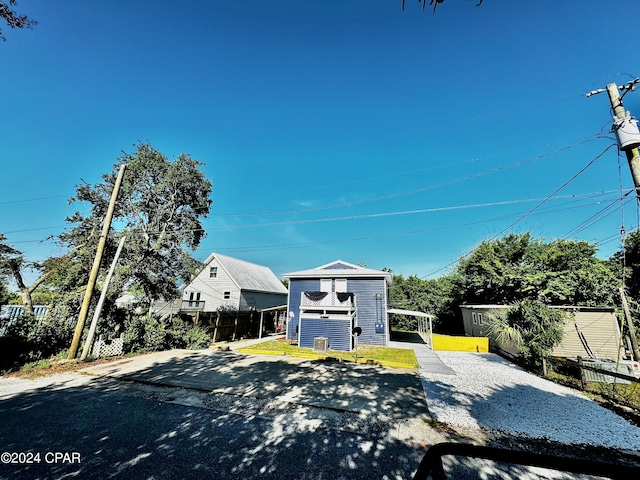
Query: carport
<point x="425" y="323"/>
<point x="278" y="328"/>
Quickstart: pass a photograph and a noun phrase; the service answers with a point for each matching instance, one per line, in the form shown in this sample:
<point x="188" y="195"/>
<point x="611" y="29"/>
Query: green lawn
<point x="366" y="353"/>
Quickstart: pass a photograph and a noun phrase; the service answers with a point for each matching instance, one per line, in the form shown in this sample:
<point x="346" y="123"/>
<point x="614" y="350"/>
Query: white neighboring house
<point x="227" y="283"/>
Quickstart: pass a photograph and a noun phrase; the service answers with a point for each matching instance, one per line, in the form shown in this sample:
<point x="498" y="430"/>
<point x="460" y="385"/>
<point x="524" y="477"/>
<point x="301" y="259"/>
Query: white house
<point x="228" y="284"/>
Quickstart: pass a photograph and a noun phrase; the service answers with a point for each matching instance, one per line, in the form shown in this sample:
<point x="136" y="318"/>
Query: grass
<point x="366" y="353"/>
<point x="54" y="365"/>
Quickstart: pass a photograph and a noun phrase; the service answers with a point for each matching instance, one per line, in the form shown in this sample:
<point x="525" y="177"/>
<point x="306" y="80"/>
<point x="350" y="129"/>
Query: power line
<point x="603" y="213"/>
<point x="36" y="199"/>
<point x="389" y="235"/>
<point x="418" y="190"/>
<point x="530" y="211"/>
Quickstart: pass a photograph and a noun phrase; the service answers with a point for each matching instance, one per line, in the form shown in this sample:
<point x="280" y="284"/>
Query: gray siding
<point x="261" y="300"/>
<point x="296" y="287"/>
<point x="337" y="331"/>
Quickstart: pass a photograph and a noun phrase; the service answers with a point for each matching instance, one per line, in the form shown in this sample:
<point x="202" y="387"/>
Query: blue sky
<point x="330" y="129"/>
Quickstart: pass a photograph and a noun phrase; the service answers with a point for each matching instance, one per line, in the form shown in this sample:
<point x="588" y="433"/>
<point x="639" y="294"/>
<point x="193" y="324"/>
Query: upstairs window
<point x="213" y="272"/>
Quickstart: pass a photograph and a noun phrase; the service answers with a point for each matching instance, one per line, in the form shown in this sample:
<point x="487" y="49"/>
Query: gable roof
<point x="248" y="276"/>
<point x="340" y="269"/>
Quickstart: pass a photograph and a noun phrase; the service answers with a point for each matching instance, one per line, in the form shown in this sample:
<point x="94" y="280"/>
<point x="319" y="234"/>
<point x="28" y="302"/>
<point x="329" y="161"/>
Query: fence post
<point x="235" y="328"/>
<point x="583" y="380"/>
<point x="544" y="366"/>
<point x="215" y="330"/>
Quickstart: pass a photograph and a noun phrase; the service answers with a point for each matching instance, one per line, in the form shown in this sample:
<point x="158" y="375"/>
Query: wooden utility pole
<point x="633" y="156"/>
<point x="632" y="330"/>
<point x="103" y="294"/>
<point x="93" y="276"/>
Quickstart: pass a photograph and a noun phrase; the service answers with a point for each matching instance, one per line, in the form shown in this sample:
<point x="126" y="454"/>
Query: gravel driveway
<point x="491" y="393"/>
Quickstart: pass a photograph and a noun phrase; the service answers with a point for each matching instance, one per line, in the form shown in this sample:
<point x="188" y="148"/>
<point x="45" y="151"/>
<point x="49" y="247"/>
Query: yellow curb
<point x="386" y="363"/>
<point x="260" y="352"/>
<point x="310" y="356"/>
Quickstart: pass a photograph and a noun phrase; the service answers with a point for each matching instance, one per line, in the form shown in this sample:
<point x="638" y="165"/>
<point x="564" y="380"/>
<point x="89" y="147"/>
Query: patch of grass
<point x="54" y="365"/>
<point x="366" y="353"/>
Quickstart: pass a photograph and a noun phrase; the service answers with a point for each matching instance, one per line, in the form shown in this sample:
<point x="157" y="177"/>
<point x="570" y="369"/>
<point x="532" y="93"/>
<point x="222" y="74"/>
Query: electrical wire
<point x="510" y="226"/>
<point x="422" y="189"/>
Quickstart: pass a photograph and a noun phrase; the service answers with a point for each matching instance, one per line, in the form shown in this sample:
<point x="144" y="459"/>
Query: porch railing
<point x="192" y="305"/>
<point x="344" y="300"/>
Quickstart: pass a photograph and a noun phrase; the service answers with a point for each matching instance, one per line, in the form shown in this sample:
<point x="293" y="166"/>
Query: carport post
<point x="431" y="334"/>
<point x="260" y="330"/>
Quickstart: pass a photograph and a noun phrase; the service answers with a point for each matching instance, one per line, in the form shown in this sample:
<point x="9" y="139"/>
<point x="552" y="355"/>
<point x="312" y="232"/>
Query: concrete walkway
<point x="427" y="358"/>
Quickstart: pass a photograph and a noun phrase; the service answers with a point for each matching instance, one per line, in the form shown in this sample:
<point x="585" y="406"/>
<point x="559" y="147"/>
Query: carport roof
<point x="412" y="313"/>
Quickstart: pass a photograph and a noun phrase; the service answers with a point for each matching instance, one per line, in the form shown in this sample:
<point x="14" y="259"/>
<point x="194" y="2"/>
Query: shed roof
<point x="559" y="307"/>
<point x="248" y="276"/>
<point x="340" y="269"/>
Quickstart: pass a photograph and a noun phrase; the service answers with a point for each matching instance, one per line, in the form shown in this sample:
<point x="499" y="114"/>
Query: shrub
<point x="531" y="326"/>
<point x="142" y="334"/>
<point x="28" y="340"/>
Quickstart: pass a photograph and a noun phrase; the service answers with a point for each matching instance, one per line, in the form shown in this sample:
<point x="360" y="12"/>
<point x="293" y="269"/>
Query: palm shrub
<point x="531" y="326"/>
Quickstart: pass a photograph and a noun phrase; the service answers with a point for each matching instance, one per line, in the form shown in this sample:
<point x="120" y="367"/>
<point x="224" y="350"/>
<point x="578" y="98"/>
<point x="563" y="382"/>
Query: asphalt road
<point x="239" y="418"/>
<point x="123" y="429"/>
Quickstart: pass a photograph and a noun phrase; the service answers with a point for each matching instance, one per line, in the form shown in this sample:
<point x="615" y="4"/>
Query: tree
<point x="626" y="264"/>
<point x="13" y="19"/>
<point x="159" y="210"/>
<point x="435" y="3"/>
<point x="434" y="296"/>
<point x="13" y="263"/>
<point x="518" y="267"/>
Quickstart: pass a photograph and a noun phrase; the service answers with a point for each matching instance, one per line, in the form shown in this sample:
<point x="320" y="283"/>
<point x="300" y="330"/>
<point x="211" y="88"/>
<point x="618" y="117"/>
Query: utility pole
<point x="93" y="276"/>
<point x="103" y="294"/>
<point x="632" y="330"/>
<point x="633" y="157"/>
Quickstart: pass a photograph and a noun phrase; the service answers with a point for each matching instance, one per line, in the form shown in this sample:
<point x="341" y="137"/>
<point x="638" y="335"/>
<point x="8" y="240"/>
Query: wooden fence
<point x="236" y="325"/>
<point x="582" y="367"/>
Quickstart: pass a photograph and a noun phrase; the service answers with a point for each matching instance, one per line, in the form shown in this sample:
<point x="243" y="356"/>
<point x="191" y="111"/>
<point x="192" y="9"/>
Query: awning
<point x="412" y="313"/>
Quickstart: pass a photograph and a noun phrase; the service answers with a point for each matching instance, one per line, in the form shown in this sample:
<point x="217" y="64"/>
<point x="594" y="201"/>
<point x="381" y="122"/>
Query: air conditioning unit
<point x="626" y="367"/>
<point x="320" y="344"/>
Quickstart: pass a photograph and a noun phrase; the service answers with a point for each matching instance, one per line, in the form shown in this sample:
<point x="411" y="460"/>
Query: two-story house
<point x="330" y="301"/>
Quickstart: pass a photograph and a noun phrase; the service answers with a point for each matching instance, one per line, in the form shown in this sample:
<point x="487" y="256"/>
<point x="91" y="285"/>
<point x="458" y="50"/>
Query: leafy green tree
<point x="159" y="209"/>
<point x="434" y="296"/>
<point x="626" y="263"/>
<point x="518" y="267"/>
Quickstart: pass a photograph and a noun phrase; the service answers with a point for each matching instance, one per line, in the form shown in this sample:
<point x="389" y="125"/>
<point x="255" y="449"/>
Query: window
<point x="475" y="318"/>
<point x="194" y="299"/>
<point x="213" y="272"/>
<point x="227" y="295"/>
<point x="341" y="285"/>
<point x="480" y="319"/>
<point x="325" y="285"/>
